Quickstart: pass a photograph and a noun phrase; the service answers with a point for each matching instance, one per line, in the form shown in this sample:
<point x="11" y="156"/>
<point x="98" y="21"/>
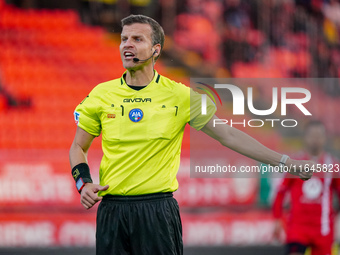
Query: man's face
<point x="136" y="42"/>
<point x="315" y="138"/>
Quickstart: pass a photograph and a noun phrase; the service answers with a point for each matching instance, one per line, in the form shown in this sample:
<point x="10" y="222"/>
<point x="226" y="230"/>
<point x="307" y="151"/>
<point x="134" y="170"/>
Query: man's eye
<point x="138" y="39"/>
<point x="124" y="39"/>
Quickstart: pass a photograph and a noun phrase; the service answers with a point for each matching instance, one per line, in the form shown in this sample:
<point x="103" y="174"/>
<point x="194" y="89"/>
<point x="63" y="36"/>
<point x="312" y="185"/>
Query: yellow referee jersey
<point x="142" y="132"/>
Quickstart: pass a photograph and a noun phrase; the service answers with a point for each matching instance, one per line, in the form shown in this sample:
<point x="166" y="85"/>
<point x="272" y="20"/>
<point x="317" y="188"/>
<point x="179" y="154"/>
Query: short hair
<point x="157" y="35"/>
<point x="314" y="123"/>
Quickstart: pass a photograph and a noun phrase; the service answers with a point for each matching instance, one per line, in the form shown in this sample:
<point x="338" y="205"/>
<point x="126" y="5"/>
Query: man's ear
<point x="157" y="50"/>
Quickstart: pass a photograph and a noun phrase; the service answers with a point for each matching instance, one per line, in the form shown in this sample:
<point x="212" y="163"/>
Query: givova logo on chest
<point x="137" y="100"/>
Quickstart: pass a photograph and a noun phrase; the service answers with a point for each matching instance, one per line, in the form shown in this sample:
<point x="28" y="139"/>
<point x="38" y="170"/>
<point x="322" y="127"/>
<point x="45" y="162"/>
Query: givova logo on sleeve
<point x="136" y="115"/>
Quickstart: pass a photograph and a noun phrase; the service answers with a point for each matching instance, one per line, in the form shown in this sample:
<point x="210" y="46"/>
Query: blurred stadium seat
<point x="50" y="61"/>
<point x="50" y="57"/>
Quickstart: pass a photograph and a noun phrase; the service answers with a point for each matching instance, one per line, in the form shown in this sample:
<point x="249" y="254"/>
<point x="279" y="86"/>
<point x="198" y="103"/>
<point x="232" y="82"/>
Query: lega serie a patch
<point x="76" y="117"/>
<point x="136" y="115"/>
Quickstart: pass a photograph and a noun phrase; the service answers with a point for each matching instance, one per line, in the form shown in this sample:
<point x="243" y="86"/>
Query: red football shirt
<point x="311" y="201"/>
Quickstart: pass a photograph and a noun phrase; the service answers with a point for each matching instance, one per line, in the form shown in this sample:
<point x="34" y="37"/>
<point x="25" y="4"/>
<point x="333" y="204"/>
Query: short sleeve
<point x="86" y="115"/>
<point x="197" y="119"/>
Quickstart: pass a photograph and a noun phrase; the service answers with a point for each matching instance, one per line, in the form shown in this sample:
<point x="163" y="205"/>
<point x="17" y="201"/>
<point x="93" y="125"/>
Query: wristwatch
<point x="80" y="184"/>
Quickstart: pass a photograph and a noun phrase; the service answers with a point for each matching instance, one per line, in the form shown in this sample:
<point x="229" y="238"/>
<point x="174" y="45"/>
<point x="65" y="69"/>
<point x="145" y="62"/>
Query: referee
<point x="141" y="117"/>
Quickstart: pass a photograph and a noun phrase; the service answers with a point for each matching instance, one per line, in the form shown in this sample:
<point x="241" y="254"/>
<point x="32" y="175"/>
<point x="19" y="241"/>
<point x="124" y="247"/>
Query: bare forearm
<point x="80" y="146"/>
<point x="77" y="155"/>
<point x="248" y="146"/>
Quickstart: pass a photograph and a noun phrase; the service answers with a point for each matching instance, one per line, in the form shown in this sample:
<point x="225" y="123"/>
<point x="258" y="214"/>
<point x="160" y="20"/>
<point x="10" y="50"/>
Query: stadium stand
<point x="49" y="61"/>
<point x="42" y="58"/>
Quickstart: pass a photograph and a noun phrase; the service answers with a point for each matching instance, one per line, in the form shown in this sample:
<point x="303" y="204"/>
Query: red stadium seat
<point x="55" y="61"/>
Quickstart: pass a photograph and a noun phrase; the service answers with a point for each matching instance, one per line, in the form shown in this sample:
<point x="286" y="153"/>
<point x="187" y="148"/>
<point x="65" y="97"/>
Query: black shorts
<point x="295" y="248"/>
<point x="139" y="225"/>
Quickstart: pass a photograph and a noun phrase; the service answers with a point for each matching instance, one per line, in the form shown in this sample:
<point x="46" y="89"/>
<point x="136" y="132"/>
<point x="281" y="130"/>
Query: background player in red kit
<point x="311" y="218"/>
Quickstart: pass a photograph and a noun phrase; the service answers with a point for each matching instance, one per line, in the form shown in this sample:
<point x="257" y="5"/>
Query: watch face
<point x="79" y="184"/>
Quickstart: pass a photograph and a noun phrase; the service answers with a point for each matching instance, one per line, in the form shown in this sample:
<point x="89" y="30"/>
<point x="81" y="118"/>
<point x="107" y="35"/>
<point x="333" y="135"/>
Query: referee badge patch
<point x="136" y="115"/>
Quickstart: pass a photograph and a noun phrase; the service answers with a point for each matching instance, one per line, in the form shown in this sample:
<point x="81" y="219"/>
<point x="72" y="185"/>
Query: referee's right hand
<point x="89" y="196"/>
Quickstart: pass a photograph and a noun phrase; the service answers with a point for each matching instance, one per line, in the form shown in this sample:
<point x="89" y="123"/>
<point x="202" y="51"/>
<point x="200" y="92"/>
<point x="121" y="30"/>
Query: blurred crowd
<point x="225" y="32"/>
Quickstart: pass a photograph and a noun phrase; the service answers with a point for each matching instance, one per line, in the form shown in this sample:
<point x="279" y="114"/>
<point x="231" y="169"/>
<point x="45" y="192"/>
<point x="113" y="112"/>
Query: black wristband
<point x="81" y="175"/>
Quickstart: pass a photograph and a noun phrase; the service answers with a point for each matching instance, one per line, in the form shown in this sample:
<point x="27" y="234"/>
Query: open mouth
<point x="129" y="55"/>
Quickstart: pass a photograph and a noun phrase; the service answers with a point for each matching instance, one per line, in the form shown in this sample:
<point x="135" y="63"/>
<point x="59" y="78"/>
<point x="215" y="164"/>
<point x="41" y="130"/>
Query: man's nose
<point x="128" y="43"/>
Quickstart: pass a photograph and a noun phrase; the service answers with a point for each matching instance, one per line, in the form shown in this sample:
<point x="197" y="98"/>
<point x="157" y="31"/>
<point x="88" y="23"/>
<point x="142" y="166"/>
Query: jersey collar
<point x="155" y="79"/>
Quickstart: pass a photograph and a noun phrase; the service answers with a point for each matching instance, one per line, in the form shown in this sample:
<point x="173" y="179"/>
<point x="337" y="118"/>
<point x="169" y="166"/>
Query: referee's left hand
<point x="302" y="168"/>
<point x="89" y="196"/>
